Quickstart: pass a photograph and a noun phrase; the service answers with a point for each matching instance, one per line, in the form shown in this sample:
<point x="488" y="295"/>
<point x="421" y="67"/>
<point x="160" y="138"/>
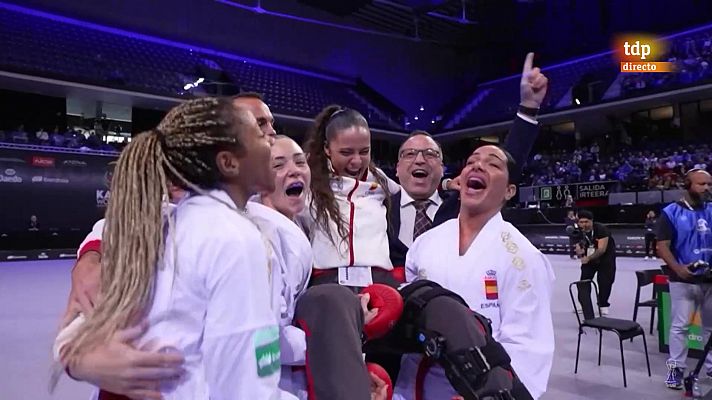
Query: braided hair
<point x="182" y="150"/>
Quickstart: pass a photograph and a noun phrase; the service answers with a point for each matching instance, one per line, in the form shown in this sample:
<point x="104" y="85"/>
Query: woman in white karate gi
<point x="186" y="274"/>
<point x="291" y="252"/>
<point x="495" y="269"/>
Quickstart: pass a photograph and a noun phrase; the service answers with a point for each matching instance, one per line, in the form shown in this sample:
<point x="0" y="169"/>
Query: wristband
<point x="528" y="111"/>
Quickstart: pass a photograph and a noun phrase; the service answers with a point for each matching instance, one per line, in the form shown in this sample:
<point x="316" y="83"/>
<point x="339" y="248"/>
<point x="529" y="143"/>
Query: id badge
<point x="589" y="251"/>
<point x="355" y="276"/>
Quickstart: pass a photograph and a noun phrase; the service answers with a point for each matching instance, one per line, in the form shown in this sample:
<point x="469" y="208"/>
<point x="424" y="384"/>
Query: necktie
<point x="422" y="221"/>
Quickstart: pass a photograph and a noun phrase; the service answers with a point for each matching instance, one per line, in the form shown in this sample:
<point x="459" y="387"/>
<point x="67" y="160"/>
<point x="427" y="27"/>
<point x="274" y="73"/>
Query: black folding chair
<point x="645" y="278"/>
<point x="623" y="328"/>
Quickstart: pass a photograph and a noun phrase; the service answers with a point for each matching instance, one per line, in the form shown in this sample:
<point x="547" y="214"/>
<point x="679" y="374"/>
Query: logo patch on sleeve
<point x="266" y="343"/>
<point x="491" y="285"/>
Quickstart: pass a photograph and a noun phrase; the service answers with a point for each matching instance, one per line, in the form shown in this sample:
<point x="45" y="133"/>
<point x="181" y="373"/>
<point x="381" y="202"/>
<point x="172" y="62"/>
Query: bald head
<point x="259" y="109"/>
<point x="698" y="183"/>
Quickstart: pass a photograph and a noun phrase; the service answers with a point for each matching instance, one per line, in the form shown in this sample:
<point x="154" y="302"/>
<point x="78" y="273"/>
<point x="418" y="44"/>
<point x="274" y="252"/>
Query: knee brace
<point x="478" y="372"/>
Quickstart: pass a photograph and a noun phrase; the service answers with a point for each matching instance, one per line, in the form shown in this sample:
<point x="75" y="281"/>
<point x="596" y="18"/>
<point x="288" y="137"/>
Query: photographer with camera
<point x="685" y="244"/>
<point x="597" y="250"/>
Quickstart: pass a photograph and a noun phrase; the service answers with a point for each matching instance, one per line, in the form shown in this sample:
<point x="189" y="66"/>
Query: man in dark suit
<point x="420" y="205"/>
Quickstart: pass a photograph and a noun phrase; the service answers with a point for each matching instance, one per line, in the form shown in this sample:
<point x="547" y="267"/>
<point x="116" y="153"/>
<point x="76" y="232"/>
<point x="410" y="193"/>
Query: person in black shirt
<point x="651" y="221"/>
<point x="598" y="257"/>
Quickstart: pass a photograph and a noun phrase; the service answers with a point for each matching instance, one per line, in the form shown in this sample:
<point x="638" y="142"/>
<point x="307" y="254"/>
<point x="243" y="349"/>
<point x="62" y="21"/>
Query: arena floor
<point x="33" y="295"/>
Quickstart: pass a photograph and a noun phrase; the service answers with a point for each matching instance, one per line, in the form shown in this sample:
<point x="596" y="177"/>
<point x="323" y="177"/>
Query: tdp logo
<point x="642" y="52"/>
<point x="637" y="49"/>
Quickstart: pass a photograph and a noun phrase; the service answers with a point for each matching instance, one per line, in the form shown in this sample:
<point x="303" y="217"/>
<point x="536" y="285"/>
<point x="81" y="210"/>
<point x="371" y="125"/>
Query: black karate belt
<point x="476" y="373"/>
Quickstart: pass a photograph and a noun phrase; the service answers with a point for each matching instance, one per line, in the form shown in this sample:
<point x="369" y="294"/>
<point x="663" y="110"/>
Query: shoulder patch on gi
<point x="511" y="247"/>
<point x="524" y="284"/>
<point x="505" y="236"/>
<point x="518" y="263"/>
<point x="422" y="273"/>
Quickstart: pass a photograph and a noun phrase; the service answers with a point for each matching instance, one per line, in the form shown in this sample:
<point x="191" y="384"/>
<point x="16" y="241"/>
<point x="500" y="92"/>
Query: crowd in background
<point x="70" y="137"/>
<point x="643" y="169"/>
<point x="691" y="56"/>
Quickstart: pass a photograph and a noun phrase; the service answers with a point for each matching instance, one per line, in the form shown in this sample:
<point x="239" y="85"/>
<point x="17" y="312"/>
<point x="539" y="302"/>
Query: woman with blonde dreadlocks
<point x="199" y="276"/>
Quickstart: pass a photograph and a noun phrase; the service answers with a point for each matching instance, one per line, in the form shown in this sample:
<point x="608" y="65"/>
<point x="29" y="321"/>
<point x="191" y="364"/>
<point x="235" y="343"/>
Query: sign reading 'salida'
<point x="578" y="191"/>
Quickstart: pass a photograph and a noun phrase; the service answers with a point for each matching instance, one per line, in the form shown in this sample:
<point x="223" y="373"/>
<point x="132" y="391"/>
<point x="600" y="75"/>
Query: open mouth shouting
<point x="475" y="185"/>
<point x="295" y="189"/>
<point x="420" y="173"/>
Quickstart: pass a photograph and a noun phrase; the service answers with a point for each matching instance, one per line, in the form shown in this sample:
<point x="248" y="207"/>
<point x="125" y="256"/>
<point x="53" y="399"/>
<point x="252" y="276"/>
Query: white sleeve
<point x="293" y="345"/>
<point x="240" y="345"/>
<point x="526" y="328"/>
<point x="411" y="262"/>
<point x="65" y="335"/>
<point x="292" y="340"/>
<point x="93" y="238"/>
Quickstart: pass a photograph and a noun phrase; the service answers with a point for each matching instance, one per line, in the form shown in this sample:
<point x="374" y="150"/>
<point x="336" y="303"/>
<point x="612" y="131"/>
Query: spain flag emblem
<point x="491" y="288"/>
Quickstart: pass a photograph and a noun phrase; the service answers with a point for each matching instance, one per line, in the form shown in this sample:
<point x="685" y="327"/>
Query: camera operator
<point x="597" y="251"/>
<point x="684" y="239"/>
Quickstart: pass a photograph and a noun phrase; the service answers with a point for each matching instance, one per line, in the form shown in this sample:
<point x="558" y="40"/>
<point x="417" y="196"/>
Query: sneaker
<point x="674" y="376"/>
<point x="653" y="258"/>
<point x="647" y="258"/>
<point x="604" y="311"/>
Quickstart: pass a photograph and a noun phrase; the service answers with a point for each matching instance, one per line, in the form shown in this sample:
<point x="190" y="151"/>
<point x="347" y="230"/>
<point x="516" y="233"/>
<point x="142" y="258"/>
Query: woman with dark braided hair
<point x="200" y="276"/>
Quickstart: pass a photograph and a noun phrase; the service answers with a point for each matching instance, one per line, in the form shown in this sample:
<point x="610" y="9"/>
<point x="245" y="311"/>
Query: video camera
<point x="576" y="234"/>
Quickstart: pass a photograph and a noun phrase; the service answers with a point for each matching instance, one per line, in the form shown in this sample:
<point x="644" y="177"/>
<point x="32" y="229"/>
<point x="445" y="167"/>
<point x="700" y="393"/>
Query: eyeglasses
<point x="411" y="154"/>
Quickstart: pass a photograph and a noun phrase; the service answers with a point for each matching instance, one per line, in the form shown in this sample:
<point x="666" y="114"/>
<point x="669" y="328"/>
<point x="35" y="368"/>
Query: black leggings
<point x="332" y="319"/>
<point x="605" y="273"/>
<point x="650" y="243"/>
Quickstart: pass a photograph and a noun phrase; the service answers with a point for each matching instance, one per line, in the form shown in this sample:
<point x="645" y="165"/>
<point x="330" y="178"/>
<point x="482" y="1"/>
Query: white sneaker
<point x="604" y="310"/>
<point x="647" y="258"/>
<point x="653" y="258"/>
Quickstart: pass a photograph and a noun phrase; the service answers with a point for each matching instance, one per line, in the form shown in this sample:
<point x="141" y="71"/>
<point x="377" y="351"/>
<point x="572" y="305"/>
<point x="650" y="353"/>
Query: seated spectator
<point x="56" y="138"/>
<point x="42" y="136"/>
<point x="19" y="135"/>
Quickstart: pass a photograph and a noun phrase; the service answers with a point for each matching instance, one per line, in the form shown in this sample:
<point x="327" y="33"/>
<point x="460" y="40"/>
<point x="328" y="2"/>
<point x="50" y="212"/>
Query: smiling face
<point x="349" y="150"/>
<point x="486" y="185"/>
<point x="420" y="167"/>
<point x="292" y="177"/>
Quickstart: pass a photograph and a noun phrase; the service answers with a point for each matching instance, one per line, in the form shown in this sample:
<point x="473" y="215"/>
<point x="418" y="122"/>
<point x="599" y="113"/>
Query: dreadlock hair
<point x="328" y="123"/>
<point x="181" y="149"/>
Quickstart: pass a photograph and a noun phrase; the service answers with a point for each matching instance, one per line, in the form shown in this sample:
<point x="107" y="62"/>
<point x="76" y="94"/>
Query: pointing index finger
<point x="528" y="62"/>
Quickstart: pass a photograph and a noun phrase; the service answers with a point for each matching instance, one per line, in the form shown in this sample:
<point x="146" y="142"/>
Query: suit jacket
<point x="519" y="143"/>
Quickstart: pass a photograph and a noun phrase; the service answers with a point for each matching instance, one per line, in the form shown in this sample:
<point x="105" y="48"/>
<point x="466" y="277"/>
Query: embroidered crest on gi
<point x="490" y="280"/>
<point x="511" y="247"/>
<point x="505" y="236"/>
<point x="518" y="263"/>
<point x="422" y="273"/>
